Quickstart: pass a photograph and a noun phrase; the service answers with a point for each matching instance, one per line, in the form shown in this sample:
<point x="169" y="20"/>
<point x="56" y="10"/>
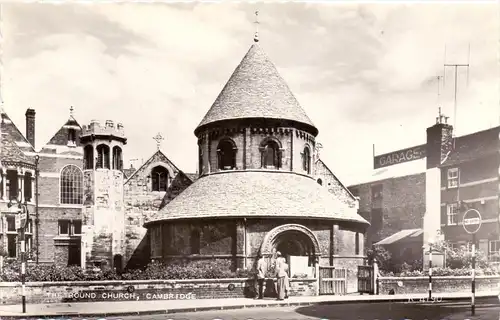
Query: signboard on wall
<point x="400" y="156"/>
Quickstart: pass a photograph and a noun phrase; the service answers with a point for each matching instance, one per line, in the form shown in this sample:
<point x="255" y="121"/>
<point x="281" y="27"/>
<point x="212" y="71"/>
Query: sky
<point x="364" y="73"/>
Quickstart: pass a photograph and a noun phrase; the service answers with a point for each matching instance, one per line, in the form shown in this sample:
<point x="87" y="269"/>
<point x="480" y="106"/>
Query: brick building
<point x="258" y="190"/>
<point x="422" y="192"/>
<point x="76" y="168"/>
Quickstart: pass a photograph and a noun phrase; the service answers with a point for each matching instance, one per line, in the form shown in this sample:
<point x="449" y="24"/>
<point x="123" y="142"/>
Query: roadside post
<point x="431" y="243"/>
<point x="21" y="220"/>
<point x="472" y="223"/>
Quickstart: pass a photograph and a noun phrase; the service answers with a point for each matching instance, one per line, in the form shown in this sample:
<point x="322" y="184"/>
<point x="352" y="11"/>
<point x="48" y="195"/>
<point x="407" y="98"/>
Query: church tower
<point x="103" y="226"/>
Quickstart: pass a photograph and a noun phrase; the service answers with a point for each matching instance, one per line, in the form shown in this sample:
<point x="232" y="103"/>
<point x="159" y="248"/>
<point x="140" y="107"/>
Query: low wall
<point x="80" y="291"/>
<point x="402" y="285"/>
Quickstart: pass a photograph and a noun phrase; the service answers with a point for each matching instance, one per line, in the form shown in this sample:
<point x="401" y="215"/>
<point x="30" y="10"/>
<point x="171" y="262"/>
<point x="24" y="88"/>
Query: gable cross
<point x="158" y="138"/>
<point x="318" y="148"/>
<point x="256" y="22"/>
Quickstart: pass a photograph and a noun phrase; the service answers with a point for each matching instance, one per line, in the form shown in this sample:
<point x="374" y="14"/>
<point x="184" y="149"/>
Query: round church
<point x="257" y="192"/>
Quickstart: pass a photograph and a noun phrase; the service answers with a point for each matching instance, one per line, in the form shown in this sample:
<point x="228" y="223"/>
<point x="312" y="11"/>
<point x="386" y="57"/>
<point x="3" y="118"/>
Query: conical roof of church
<point x="256" y="194"/>
<point x="256" y="90"/>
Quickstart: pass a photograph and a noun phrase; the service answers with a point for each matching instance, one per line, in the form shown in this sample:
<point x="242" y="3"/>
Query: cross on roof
<point x="158" y="138"/>
<point x="318" y="148"/>
<point x="256" y="22"/>
<point x="71" y="111"/>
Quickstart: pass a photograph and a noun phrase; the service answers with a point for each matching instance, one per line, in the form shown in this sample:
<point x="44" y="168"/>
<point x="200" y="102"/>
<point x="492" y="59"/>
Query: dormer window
<point x="72" y="138"/>
<point x="159" y="179"/>
<point x="226" y="155"/>
<point x="270" y="155"/>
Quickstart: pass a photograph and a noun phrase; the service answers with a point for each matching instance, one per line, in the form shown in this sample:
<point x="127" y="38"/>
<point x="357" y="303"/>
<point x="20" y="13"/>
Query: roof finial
<point x="256" y="22"/>
<point x="318" y="148"/>
<point x="71" y="109"/>
<point x="158" y="139"/>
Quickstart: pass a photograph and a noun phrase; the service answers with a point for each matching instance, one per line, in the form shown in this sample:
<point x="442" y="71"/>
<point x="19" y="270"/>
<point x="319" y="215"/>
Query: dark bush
<point x="211" y="269"/>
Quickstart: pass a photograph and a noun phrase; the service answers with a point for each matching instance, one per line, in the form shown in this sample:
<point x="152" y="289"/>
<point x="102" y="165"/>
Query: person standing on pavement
<point x="261" y="275"/>
<point x="287" y="281"/>
<point x="281" y="274"/>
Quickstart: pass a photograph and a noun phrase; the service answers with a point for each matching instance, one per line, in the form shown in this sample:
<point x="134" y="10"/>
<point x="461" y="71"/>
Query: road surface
<point x="486" y="309"/>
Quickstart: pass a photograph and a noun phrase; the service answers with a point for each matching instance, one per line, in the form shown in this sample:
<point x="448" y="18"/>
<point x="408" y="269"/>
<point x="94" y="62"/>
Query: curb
<point x="230" y="307"/>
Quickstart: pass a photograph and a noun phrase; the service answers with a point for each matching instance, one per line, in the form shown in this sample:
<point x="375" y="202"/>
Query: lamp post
<point x="23" y="209"/>
<point x="37" y="218"/>
<point x="431" y="243"/>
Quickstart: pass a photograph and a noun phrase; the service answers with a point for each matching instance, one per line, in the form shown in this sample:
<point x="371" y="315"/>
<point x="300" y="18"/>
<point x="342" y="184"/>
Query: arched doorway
<point x="293" y="243"/>
<point x="292" y="240"/>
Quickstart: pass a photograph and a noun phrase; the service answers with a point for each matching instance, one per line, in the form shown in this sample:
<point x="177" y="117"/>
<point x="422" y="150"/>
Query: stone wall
<point x="328" y="180"/>
<point x="53" y="292"/>
<point x="403" y="285"/>
<point x="248" y="141"/>
<point x="140" y="204"/>
<point x="225" y="239"/>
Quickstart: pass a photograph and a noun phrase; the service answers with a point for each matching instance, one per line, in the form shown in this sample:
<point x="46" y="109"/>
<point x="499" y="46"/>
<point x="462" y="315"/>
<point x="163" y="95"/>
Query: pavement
<point x="159" y="307"/>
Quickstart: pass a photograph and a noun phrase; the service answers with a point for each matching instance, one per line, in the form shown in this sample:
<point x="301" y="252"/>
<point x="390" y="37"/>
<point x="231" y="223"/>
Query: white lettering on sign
<point x="472" y="221"/>
<point x="400" y="156"/>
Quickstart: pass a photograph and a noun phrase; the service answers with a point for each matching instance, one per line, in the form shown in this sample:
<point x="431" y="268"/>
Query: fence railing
<point x="332" y="281"/>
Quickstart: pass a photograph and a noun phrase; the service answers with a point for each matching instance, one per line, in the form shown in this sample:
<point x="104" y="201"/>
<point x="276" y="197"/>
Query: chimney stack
<point x="30" y="126"/>
<point x="439" y="142"/>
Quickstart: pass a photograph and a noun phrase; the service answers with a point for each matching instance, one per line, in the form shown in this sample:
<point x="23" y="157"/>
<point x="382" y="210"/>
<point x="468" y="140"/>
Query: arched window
<point x="159" y="179"/>
<point x="71" y="185"/>
<point x="356" y="247"/>
<point x="271" y="155"/>
<point x="102" y="157"/>
<point x="226" y="155"/>
<point x="88" y="155"/>
<point x="306" y="160"/>
<point x="117" y="158"/>
<point x="195" y="242"/>
<point x="200" y="160"/>
<point x="320" y="182"/>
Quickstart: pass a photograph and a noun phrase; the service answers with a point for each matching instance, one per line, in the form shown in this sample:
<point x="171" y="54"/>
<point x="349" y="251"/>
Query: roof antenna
<point x="1" y="58"/>
<point x="456" y="66"/>
<point x="256" y="22"/>
<point x="439" y="118"/>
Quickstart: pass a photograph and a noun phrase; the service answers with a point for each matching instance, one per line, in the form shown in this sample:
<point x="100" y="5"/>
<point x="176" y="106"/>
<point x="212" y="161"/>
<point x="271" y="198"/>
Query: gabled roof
<point x="400" y="235"/>
<point x="60" y="138"/>
<point x="157" y="155"/>
<point x="256" y="90"/>
<point x="473" y="146"/>
<point x="128" y="172"/>
<point x="15" y="135"/>
<point x="256" y="194"/>
<point x="10" y="151"/>
<point x="178" y="185"/>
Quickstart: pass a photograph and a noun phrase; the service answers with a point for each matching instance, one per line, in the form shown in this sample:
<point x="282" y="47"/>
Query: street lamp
<point x="431" y="243"/>
<point x="22" y="209"/>
<point x="37" y="219"/>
